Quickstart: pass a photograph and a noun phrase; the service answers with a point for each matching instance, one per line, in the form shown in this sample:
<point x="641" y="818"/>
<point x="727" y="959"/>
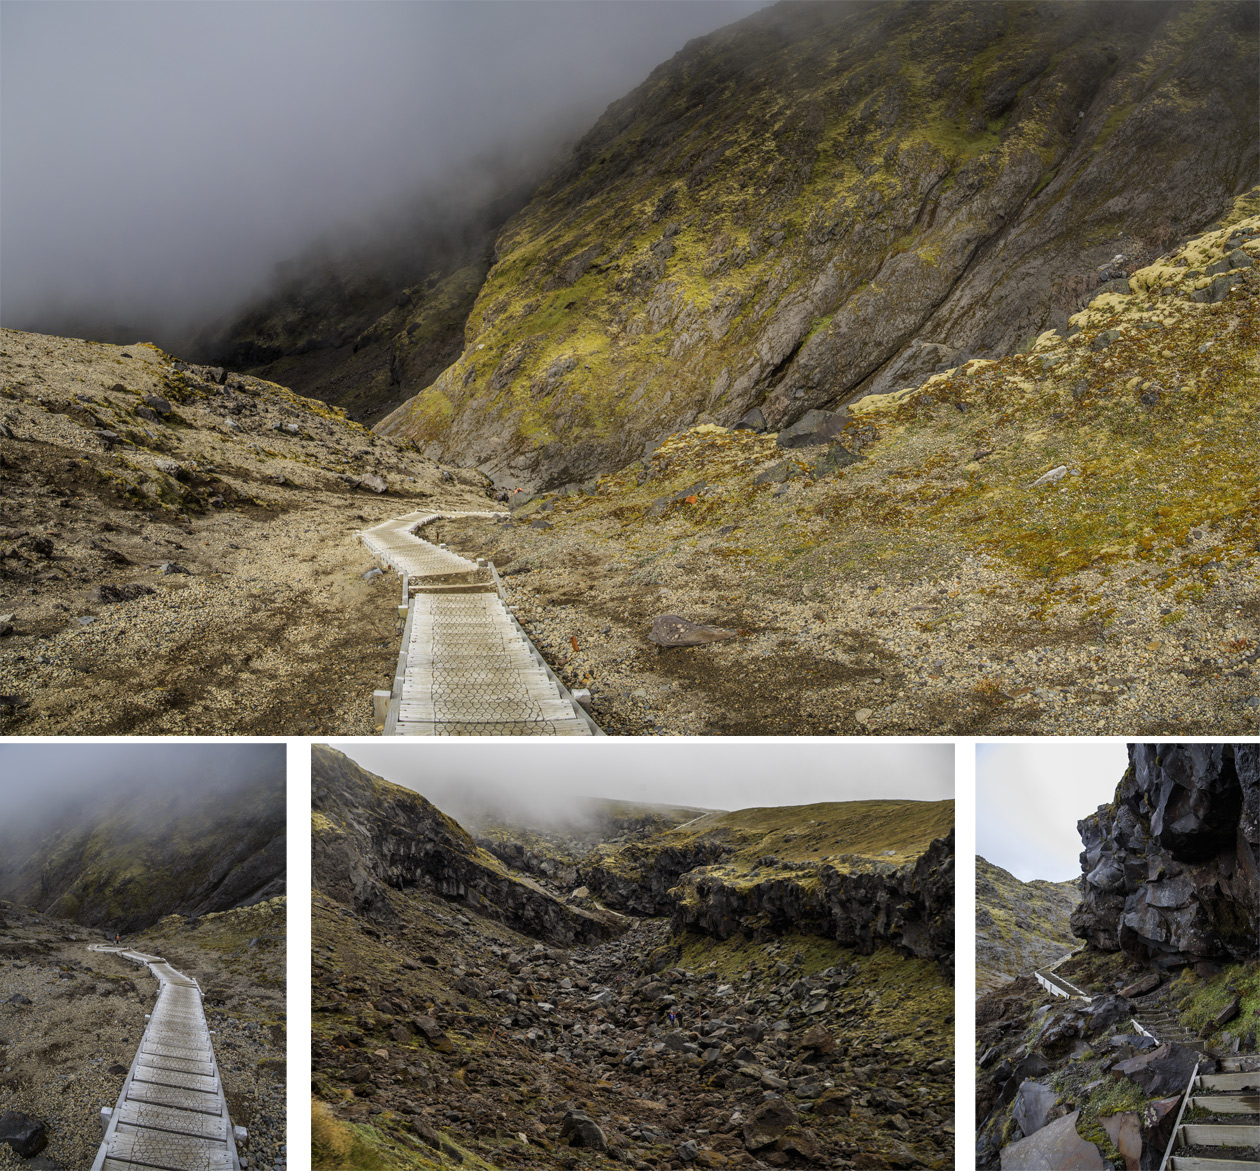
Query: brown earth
<point x="272" y="631"/>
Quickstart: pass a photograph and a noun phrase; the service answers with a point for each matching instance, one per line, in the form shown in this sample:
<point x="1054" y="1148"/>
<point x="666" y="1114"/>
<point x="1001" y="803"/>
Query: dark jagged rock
<point x="26" y="1136"/>
<point x="1170" y="865"/>
<point x="371" y="835"/>
<point x="910" y="908"/>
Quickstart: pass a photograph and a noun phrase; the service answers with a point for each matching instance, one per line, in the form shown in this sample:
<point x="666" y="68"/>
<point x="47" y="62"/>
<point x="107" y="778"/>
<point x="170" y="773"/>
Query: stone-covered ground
<point x="455" y="1034"/>
<point x="71" y="1020"/>
<point x="190" y="567"/>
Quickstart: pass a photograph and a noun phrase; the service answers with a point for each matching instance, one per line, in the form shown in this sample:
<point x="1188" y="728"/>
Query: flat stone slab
<point x="1056" y="1147"/>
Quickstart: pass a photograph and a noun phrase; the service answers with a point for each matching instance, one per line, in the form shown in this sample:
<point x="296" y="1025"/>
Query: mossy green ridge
<point x="145" y="852"/>
<point x="784" y="206"/>
<point x="1020" y="926"/>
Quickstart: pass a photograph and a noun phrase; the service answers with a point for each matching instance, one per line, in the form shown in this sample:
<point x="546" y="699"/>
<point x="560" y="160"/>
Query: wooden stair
<point x="1219" y="1145"/>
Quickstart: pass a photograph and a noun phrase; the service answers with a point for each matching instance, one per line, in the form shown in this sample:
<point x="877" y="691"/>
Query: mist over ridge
<point x="161" y="160"/>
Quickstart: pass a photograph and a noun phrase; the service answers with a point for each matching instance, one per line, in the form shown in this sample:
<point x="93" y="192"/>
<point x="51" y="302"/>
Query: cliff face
<point x="145" y="855"/>
<point x="370" y="836"/>
<point x="909" y="908"/>
<point x="824" y="199"/>
<point x="1170" y="866"/>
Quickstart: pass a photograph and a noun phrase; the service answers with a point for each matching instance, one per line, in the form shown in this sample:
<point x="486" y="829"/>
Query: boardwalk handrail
<point x="1058" y="986"/>
<point x="1172" y="1138"/>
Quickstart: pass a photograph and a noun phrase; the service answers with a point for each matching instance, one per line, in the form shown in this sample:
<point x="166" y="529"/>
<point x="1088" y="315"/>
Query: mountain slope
<point x="1059" y="541"/>
<point x="779" y="211"/>
<point x="370" y="836"/>
<point x="1019" y="925"/>
<point x="151" y="851"/>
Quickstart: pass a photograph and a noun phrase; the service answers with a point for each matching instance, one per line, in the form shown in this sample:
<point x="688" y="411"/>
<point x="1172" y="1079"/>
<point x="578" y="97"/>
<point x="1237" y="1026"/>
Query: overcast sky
<point x="1029" y="798"/>
<point x="715" y="774"/>
<point x="159" y="159"/>
<point x="42" y="783"/>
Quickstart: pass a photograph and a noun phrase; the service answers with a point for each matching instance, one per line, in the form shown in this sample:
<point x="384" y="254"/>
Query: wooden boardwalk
<point x="466" y="668"/>
<point x="171" y="1114"/>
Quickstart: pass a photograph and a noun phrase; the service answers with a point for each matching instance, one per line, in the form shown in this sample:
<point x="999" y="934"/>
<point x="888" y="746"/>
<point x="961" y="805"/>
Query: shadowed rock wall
<point x="1170" y="866"/>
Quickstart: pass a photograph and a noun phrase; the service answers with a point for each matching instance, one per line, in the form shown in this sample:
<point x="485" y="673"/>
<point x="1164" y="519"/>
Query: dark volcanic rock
<point x="1171" y="864"/>
<point x="24" y="1134"/>
<point x="910" y="908"/>
<point x="383" y="836"/>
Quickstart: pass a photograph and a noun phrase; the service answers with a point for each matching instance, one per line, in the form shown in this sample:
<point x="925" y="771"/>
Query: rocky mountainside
<point x="1005" y="548"/>
<point x="123" y="862"/>
<point x="1170" y="865"/>
<point x="1168" y="913"/>
<point x="369" y="835"/>
<point x="448" y="1032"/>
<point x="177" y="548"/>
<point x="355" y="322"/>
<point x="822" y="200"/>
<point x="1020" y="926"/>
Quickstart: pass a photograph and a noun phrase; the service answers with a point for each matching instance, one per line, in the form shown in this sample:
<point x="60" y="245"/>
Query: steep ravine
<point x="446" y="1032"/>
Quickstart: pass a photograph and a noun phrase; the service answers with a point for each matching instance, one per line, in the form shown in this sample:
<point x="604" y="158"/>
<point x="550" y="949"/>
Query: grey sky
<point x="710" y="775"/>
<point x="1030" y="796"/>
<point x="42" y="783"/>
<point x="158" y="159"/>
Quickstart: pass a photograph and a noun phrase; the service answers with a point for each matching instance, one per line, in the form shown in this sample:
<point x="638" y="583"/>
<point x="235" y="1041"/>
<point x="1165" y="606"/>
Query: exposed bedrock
<point x="639" y="880"/>
<point x="910" y="908"/>
<point x="370" y="836"/>
<point x="1170" y="866"/>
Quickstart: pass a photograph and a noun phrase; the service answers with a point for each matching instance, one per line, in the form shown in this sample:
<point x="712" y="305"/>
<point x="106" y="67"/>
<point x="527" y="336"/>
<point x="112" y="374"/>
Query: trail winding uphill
<point x="466" y="667"/>
<point x="171" y="1112"/>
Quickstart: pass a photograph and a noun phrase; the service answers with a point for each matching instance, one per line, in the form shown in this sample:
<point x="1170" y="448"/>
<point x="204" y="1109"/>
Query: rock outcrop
<point x="791" y="206"/>
<point x="371" y="837"/>
<point x="910" y="908"/>
<point x="1170" y="866"/>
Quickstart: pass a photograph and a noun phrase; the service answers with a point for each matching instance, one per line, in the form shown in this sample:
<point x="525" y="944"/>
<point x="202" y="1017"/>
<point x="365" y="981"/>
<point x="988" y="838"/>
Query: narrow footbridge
<point x="466" y="667"/>
<point x="171" y="1114"/>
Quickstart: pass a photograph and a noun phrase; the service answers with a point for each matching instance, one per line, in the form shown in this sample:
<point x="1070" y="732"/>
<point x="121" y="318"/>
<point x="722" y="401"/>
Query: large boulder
<point x="1056" y="1147"/>
<point x="1161" y="1072"/>
<point x="25" y="1135"/>
<point x="1034" y="1103"/>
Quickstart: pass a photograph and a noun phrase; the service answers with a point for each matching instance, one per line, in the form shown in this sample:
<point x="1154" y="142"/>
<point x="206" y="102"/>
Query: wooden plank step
<point x="1228" y="1081"/>
<point x="1229" y="1104"/>
<point x="185" y="1122"/>
<point x="206" y="1083"/>
<point x="1199" y="1163"/>
<point x="1218" y="1134"/>
<point x="178" y="1064"/>
<point x="573" y="727"/>
<point x="176" y="1098"/>
<point x="134" y="1147"/>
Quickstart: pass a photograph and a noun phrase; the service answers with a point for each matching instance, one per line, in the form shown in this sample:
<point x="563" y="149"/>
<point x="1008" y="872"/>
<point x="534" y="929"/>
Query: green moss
<point x="1199" y="999"/>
